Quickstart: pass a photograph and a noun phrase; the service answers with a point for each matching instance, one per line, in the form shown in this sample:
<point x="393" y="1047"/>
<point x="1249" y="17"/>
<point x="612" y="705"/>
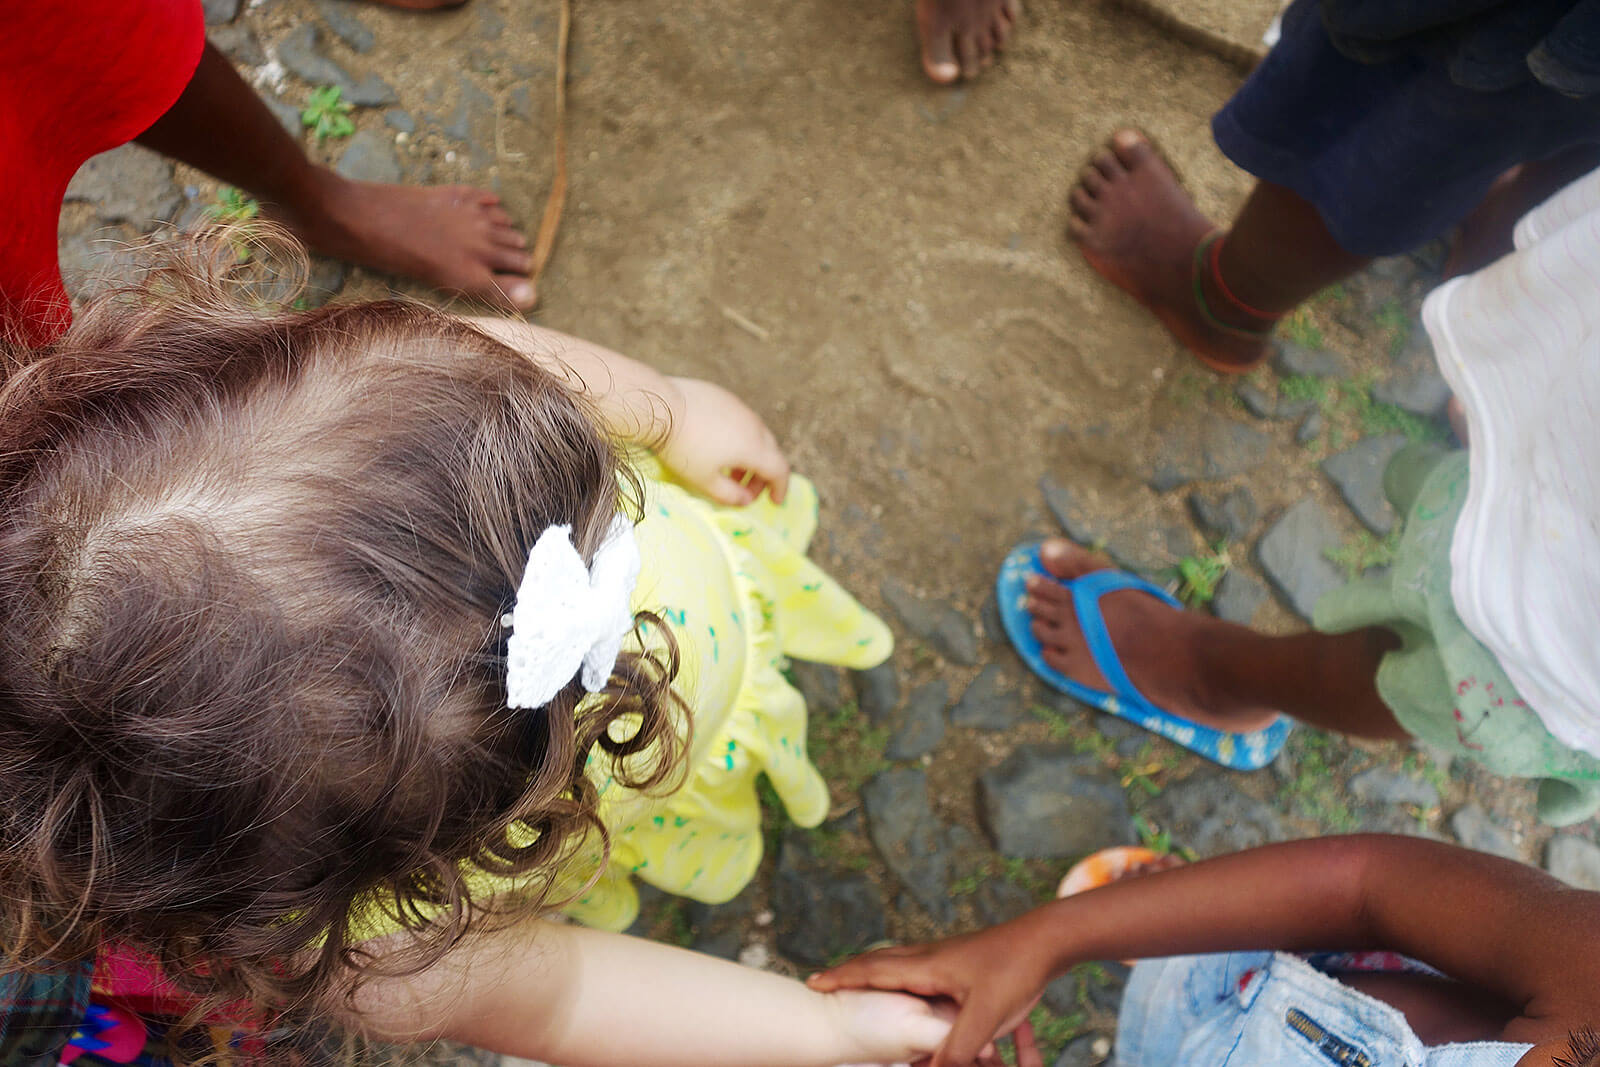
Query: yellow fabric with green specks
<point x="736" y="589"/>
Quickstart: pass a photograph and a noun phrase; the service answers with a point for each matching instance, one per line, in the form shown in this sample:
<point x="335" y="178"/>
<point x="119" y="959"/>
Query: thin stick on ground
<point x="544" y="243"/>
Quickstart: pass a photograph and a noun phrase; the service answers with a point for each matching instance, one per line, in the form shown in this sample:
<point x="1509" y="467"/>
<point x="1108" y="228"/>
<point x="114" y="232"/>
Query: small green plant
<point x="230" y="205"/>
<point x="1152" y="837"/>
<point x="1314" y="789"/>
<point x="1393" y="320"/>
<point x="1016" y="871"/>
<point x="1302" y="330"/>
<point x="1333" y="294"/>
<point x="1304" y="387"/>
<point x="1198" y="575"/>
<point x="848" y="749"/>
<point x="1053" y="1031"/>
<point x="327" y="113"/>
<point x="1059" y="725"/>
<point x="1362" y="551"/>
<point x="1096" y="744"/>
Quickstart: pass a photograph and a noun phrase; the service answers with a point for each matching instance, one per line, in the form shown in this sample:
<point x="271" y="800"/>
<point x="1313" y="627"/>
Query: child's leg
<point x="1215" y="672"/>
<point x="454" y="237"/>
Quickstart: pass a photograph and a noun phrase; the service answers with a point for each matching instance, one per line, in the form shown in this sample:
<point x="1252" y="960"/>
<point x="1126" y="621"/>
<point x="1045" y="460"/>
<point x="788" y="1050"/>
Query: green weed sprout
<point x="1199" y="574"/>
<point x="231" y="205"/>
<point x="327" y="114"/>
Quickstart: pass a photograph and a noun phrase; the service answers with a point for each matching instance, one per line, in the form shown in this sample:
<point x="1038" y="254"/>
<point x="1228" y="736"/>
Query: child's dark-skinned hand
<point x="994" y="976"/>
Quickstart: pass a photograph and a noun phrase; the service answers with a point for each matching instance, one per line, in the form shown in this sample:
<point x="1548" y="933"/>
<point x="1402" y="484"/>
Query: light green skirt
<point x="1442" y="684"/>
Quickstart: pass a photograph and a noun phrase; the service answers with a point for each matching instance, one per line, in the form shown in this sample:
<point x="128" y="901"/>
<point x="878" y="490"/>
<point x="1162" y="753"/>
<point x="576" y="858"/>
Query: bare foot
<point x="453" y="237"/>
<point x="1139" y="229"/>
<point x="1154" y="641"/>
<point x="961" y="37"/>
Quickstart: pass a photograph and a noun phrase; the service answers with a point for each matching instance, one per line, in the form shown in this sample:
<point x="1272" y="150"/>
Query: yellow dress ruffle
<point x="736" y="589"/>
<point x="739" y="595"/>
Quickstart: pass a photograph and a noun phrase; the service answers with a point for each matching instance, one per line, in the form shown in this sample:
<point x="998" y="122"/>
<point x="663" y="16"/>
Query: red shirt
<point x="76" y="79"/>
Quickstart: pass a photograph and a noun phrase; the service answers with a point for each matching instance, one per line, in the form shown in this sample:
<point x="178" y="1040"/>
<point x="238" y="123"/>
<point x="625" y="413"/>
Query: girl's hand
<point x="888" y="1027"/>
<point x="992" y="976"/>
<point x="720" y="447"/>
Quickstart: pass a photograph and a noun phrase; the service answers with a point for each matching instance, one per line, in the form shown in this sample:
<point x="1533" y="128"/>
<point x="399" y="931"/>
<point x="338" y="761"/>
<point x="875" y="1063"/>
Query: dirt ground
<point x="932" y="345"/>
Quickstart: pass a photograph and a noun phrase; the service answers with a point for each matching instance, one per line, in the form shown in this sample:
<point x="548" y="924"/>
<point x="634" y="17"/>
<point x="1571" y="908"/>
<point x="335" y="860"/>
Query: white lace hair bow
<point x="568" y="616"/>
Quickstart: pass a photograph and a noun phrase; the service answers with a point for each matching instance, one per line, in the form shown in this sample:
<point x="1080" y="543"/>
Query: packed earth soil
<point x="771" y="196"/>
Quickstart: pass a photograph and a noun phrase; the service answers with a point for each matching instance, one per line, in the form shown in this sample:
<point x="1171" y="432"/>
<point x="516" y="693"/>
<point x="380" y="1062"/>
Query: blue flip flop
<point x="1241" y="752"/>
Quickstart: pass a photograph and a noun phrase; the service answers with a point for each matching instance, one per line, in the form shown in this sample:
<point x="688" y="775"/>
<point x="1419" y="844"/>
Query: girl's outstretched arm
<point x="703" y="434"/>
<point x="1497" y="925"/>
<point x="584" y="998"/>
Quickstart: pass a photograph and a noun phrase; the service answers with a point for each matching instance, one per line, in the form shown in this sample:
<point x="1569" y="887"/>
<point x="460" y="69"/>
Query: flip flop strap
<point x="1086" y="594"/>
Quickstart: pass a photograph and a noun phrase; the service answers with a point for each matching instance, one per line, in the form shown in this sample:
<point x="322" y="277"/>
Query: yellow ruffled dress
<point x="736" y="589"/>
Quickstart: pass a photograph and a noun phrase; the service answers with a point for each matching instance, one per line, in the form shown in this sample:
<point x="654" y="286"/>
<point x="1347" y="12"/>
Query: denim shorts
<point x="1264" y="1009"/>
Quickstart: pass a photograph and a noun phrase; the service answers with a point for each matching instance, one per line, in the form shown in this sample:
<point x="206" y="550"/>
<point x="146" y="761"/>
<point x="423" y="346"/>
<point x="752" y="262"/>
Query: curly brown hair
<point x="251" y="660"/>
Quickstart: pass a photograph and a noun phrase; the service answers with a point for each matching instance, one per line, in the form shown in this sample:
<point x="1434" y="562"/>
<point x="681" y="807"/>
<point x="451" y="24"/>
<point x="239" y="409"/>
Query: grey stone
<point x="877" y="691"/>
<point x="128" y="184"/>
<point x="1061" y="995"/>
<point x="921" y="725"/>
<point x="369" y="157"/>
<point x="1045" y="802"/>
<point x="1397" y="271"/>
<point x="1380" y="785"/>
<point x="822" y="912"/>
<point x="992" y="702"/>
<point x="300" y="56"/>
<point x="702" y="915"/>
<point x="371" y="91"/>
<point x="989" y="618"/>
<point x="1290" y="358"/>
<point x="1295" y="409"/>
<point x="913" y="844"/>
<point x="1210" y="815"/>
<point x="1105" y="993"/>
<point x="723" y="944"/>
<point x="1074" y="522"/>
<point x="238" y="43"/>
<point x="1231" y="515"/>
<point x="398" y="119"/>
<point x="1357" y="473"/>
<point x="1293" y="555"/>
<point x="1257" y="401"/>
<point x="520" y="103"/>
<point x="1422" y="392"/>
<point x="1238" y="598"/>
<point x="220" y="11"/>
<point x="1085" y="1051"/>
<point x="325" y="280"/>
<point x="1217" y="448"/>
<point x="946" y="630"/>
<point x="286" y="114"/>
<point x="1476" y="830"/>
<point x="1311" y="429"/>
<point x="1574" y="861"/>
<point x="474" y="108"/>
<point x="340" y="17"/>
<point x="820" y="684"/>
<point x="998" y="901"/>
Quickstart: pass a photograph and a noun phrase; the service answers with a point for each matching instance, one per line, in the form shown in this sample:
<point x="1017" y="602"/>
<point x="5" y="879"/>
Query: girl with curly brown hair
<point x="340" y="644"/>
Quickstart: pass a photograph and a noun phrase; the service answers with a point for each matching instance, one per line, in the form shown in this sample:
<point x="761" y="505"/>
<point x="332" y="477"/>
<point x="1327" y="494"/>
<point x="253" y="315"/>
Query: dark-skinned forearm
<point x="1407" y="895"/>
